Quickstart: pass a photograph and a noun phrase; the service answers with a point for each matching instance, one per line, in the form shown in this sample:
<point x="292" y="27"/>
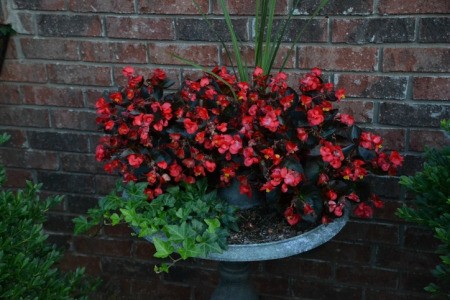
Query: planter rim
<point x="278" y="249"/>
<point x="283" y="248"/>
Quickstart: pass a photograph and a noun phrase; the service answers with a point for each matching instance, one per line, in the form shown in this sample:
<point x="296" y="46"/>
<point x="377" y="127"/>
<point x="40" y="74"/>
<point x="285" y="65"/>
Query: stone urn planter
<point x="234" y="266"/>
<point x="5" y="32"/>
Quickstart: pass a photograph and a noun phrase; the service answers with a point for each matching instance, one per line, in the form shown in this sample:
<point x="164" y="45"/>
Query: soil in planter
<point x="262" y="224"/>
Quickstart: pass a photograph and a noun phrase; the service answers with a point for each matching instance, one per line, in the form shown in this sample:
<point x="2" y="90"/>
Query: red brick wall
<point x="393" y="57"/>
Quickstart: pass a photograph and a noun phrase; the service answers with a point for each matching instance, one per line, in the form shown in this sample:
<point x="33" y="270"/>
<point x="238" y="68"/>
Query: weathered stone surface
<point x="434" y="30"/>
<point x="413" y="115"/>
<point x="197" y="30"/>
<point x="379" y="87"/>
<point x="416" y="59"/>
<point x="69" y="25"/>
<point x="343" y="7"/>
<point x="380" y="30"/>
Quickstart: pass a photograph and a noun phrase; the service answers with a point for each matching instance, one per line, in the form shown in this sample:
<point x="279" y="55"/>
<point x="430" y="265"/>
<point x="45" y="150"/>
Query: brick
<point x="18" y="138"/>
<point x="140" y="28"/>
<point x="74" y="119"/>
<point x="21" y="116"/>
<point x="376" y="294"/>
<point x="379" y="30"/>
<point x="386" y="187"/>
<point x="80" y="204"/>
<point x="69" y="25"/>
<point x="105" y="183"/>
<point x="121" y="230"/>
<point x="369" y="86"/>
<point x="412" y="164"/>
<point x="404" y="259"/>
<point x="338" y="58"/>
<point x="416" y="281"/>
<point x="65" y="182"/>
<point x="92" y="95"/>
<point x="39" y="5"/>
<point x="334" y="251"/>
<point x="11" y="50"/>
<point x="29" y="159"/>
<point x="126" y="52"/>
<point x="143" y="250"/>
<point x="114" y="287"/>
<point x="248" y="56"/>
<point x="431" y="88"/>
<point x="387" y="7"/>
<point x="420" y="238"/>
<point x="10" y="94"/>
<point x="420" y="140"/>
<point x="296" y="267"/>
<point x="387" y="213"/>
<point x="271" y="284"/>
<point x="52" y="96"/>
<point x="307" y="289"/>
<point x="204" y="55"/>
<point x="103" y="246"/>
<point x="80" y="163"/>
<point x="160" y="291"/>
<point x="192" y="275"/>
<point x="16" y="178"/>
<point x="59" y="223"/>
<point x="58" y="141"/>
<point x="368" y="276"/>
<point x="27" y="22"/>
<point x="362" y="111"/>
<point x="80" y="74"/>
<point x="416" y="60"/>
<point x="128" y="268"/>
<point x="62" y="241"/>
<point x="24" y="72"/>
<point x="177" y="7"/>
<point x="71" y="261"/>
<point x="344" y="7"/>
<point x="55" y="49"/>
<point x="189" y="29"/>
<point x="412" y="115"/>
<point x="434" y="30"/>
<point x="98" y="6"/>
<point x="243" y="7"/>
<point x="393" y="138"/>
<point x="314" y="31"/>
<point x="370" y="232"/>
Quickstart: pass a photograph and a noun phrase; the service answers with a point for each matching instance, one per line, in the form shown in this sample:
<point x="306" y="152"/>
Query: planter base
<point x="234" y="282"/>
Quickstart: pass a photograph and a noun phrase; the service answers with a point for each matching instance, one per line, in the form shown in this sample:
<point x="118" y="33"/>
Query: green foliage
<point x="268" y="37"/>
<point x="185" y="220"/>
<point x="431" y="208"/>
<point x="6" y="29"/>
<point x="445" y="124"/>
<point x="27" y="262"/>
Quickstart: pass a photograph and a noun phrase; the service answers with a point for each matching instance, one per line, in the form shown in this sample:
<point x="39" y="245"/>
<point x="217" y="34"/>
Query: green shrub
<point x="431" y="208"/>
<point x="27" y="261"/>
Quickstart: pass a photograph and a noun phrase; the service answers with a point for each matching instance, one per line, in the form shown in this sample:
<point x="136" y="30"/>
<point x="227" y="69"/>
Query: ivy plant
<point x="185" y="222"/>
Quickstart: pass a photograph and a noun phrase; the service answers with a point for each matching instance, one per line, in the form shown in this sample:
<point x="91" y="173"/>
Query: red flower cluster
<point x="263" y="134"/>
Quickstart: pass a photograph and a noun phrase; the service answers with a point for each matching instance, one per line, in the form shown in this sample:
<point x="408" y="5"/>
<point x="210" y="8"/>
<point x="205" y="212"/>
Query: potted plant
<point x="5" y="32"/>
<point x="188" y="158"/>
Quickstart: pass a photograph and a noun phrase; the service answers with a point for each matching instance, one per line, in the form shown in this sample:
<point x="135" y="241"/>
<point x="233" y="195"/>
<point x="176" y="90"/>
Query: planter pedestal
<point x="234" y="266"/>
<point x="234" y="282"/>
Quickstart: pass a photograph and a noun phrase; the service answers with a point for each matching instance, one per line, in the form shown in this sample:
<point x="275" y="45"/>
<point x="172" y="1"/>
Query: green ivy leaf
<point x="213" y="224"/>
<point x="163" y="248"/>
